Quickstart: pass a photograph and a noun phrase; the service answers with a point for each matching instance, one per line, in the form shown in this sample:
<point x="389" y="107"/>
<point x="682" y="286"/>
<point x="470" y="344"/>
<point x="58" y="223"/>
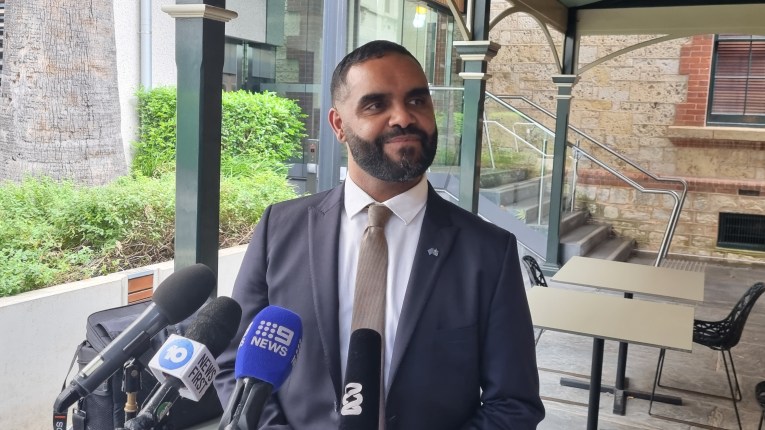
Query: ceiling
<point x="681" y="17"/>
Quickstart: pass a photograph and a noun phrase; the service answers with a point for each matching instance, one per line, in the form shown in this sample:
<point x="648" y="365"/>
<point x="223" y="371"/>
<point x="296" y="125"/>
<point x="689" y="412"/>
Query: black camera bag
<point x="103" y="409"/>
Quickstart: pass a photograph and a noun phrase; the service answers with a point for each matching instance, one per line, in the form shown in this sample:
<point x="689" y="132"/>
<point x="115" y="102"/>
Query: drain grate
<point x="741" y="231"/>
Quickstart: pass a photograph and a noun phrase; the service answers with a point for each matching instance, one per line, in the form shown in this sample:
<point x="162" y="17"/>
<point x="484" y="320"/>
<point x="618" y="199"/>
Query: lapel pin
<point x="433" y="251"/>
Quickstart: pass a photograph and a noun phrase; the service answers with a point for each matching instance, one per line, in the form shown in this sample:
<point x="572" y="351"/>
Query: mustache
<point x="403" y="131"/>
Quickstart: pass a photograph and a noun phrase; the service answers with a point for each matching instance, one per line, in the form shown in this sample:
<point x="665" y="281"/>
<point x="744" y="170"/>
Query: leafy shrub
<point x="258" y="130"/>
<point x="52" y="233"/>
<point x="155" y="149"/>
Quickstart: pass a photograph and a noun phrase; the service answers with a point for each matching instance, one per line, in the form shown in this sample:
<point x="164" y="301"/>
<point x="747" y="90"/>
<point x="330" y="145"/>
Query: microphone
<point x="265" y="358"/>
<point x="179" y="296"/>
<point x="360" y="408"/>
<point x="184" y="365"/>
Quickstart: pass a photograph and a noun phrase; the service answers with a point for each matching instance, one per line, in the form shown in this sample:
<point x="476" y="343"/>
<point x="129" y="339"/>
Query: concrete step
<point x="528" y="209"/>
<point x="572" y="220"/>
<point x="582" y="239"/>
<point x="614" y="248"/>
<point x="510" y="193"/>
<point x="495" y="178"/>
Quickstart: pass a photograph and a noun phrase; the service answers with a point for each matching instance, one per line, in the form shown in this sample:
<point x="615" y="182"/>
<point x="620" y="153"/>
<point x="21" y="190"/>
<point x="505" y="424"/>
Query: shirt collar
<point x="405" y="205"/>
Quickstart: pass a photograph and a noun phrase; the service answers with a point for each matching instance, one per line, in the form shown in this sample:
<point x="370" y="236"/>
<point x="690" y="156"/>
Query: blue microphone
<point x="265" y="358"/>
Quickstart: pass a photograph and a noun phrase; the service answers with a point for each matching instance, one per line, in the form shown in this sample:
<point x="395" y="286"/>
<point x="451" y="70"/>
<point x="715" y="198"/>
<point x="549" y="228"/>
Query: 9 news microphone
<point x="265" y="358"/>
<point x="360" y="408"/>
<point x="184" y="365"/>
<point x="177" y="298"/>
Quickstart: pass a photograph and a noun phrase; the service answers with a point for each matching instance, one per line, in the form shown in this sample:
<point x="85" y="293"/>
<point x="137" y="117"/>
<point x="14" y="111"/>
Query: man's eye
<point x="373" y="106"/>
<point x="417" y="102"/>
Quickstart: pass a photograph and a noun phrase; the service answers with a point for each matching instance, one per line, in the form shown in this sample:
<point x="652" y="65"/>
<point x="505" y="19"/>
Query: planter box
<point x="40" y="330"/>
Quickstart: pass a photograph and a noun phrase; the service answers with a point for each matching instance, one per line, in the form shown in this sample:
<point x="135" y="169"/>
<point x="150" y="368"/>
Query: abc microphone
<point x="360" y="408"/>
<point x="265" y="358"/>
<point x="179" y="296"/>
<point x="184" y="365"/>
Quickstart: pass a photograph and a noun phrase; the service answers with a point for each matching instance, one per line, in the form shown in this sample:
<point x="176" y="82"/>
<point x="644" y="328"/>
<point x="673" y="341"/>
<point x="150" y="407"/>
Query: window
<point x="737" y="93"/>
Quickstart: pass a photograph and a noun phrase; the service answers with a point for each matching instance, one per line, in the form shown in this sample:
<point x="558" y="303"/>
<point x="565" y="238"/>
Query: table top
<point x="611" y="317"/>
<point x="632" y="278"/>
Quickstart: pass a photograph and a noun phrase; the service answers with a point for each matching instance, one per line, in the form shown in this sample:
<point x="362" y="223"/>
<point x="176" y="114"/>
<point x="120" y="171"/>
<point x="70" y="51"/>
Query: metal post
<point x="565" y="83"/>
<point x="199" y="57"/>
<point x="476" y="56"/>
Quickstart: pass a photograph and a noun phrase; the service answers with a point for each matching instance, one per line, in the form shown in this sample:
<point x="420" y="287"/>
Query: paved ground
<point x="560" y="354"/>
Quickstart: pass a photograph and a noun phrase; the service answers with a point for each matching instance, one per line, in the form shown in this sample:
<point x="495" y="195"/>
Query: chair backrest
<point x="759" y="393"/>
<point x="536" y="277"/>
<point x="740" y="312"/>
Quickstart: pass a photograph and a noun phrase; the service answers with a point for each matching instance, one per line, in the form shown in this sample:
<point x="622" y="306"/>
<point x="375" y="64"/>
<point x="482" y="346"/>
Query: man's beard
<point x="371" y="157"/>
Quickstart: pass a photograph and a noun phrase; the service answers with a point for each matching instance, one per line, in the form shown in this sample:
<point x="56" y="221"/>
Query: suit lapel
<point x="436" y="240"/>
<point x="323" y="243"/>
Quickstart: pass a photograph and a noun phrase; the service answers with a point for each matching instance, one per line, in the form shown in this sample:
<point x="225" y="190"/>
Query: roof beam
<point x="685" y="20"/>
<point x="551" y="12"/>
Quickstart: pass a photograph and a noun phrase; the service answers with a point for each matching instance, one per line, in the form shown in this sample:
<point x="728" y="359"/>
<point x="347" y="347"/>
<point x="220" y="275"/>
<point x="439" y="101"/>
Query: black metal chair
<point x="759" y="394"/>
<point x="721" y="336"/>
<point x="536" y="279"/>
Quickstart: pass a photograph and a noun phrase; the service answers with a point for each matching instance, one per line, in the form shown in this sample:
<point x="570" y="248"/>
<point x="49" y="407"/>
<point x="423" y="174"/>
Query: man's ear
<point x="337" y="124"/>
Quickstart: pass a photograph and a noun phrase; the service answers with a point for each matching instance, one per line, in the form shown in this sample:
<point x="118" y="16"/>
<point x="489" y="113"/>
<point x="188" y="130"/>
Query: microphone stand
<point x="156" y="407"/>
<point x="131" y="385"/>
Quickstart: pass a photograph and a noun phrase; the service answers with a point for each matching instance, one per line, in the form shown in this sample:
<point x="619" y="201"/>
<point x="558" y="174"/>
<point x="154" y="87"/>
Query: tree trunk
<point x="59" y="104"/>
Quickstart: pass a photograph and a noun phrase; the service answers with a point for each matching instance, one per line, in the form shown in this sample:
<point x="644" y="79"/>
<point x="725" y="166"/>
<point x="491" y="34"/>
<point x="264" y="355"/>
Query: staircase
<point x="515" y="206"/>
<point x="579" y="235"/>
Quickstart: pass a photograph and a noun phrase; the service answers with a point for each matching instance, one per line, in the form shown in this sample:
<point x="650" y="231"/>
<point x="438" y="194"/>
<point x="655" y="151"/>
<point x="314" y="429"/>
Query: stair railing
<point x="679" y="199"/>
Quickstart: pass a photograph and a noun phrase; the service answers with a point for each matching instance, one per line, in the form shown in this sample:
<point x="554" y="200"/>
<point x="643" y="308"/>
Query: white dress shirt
<point x="402" y="233"/>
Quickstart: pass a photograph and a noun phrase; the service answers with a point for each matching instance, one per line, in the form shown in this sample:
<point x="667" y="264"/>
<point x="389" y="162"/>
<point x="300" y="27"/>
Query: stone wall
<point x="649" y="104"/>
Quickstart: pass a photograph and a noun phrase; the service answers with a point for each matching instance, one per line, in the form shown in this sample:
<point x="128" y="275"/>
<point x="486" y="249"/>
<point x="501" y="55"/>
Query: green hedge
<point x="51" y="233"/>
<point x="258" y="131"/>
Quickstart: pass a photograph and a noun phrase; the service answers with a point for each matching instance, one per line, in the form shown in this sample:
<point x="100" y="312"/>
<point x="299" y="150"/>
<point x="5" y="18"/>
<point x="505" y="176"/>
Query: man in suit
<point x="458" y="342"/>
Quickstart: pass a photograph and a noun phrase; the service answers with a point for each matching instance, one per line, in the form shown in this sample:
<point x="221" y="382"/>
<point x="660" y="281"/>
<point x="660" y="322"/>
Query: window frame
<point x="730" y="119"/>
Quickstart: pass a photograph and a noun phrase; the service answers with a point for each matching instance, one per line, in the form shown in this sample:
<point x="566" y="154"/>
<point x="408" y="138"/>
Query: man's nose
<point x="401" y="116"/>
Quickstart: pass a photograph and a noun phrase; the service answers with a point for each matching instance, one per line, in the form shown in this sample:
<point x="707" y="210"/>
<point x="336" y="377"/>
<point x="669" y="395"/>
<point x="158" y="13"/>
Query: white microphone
<point x="184" y="366"/>
<point x="189" y="362"/>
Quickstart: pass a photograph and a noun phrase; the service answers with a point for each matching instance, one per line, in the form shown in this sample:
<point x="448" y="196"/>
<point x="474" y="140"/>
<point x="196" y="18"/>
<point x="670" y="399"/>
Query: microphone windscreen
<point x="183" y="292"/>
<point x="216" y="324"/>
<point x="361" y="392"/>
<point x="269" y="346"/>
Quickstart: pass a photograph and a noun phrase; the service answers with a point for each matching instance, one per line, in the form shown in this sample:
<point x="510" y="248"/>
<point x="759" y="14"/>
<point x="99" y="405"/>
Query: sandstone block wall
<point x="648" y="104"/>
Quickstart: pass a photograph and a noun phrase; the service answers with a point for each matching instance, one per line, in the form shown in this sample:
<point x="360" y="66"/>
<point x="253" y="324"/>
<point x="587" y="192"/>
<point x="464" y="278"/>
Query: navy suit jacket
<point x="464" y="351"/>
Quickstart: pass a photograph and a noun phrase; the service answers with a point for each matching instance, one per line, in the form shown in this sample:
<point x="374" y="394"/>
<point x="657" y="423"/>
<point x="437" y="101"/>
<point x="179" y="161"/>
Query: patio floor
<point x="561" y="355"/>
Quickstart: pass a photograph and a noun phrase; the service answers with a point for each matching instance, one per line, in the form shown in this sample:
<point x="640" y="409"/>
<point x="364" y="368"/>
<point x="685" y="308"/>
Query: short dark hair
<point x="368" y="51"/>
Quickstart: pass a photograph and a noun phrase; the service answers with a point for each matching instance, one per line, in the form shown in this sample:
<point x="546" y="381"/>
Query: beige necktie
<point x="371" y="274"/>
<point x="371" y="284"/>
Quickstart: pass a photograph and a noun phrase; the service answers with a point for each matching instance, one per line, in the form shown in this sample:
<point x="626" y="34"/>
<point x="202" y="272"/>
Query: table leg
<point x="620" y="385"/>
<point x="596" y="370"/>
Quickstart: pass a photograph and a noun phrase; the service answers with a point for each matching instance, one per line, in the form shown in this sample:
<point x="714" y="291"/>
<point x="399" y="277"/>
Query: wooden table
<point x="630" y="278"/>
<point x="602" y="317"/>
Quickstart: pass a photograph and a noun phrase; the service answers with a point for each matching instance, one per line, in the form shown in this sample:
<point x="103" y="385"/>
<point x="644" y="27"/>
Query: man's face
<point x="385" y="116"/>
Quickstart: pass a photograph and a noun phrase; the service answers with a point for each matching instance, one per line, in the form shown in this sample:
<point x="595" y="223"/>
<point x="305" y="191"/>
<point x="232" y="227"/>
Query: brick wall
<point x="695" y="63"/>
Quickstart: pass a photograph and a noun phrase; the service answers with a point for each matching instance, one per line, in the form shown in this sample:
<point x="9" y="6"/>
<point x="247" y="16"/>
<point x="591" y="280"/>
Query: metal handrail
<point x="679" y="199"/>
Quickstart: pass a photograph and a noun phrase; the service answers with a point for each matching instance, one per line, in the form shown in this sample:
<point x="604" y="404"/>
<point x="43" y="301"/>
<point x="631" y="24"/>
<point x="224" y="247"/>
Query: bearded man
<point x="457" y="340"/>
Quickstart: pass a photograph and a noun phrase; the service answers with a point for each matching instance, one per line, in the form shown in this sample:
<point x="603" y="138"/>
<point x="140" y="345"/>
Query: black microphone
<point x="265" y="358"/>
<point x="177" y="298"/>
<point x="184" y="366"/>
<point x="360" y="408"/>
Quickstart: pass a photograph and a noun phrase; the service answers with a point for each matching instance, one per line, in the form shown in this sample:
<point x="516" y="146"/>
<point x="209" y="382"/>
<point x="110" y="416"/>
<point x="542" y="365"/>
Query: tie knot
<point x="378" y="215"/>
